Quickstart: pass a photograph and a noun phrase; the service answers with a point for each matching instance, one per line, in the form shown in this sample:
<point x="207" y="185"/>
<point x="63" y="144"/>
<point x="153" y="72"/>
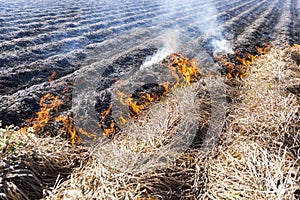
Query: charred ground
<point x="54" y="40"/>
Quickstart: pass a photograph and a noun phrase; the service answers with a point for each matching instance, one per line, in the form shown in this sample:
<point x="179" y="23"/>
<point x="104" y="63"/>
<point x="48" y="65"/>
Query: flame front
<point x="187" y="68"/>
<point x="184" y="71"/>
<point x="110" y="130"/>
<point x="141" y="100"/>
<point x="264" y="50"/>
<point x="50" y="105"/>
<point x="69" y="128"/>
<point x="52" y="77"/>
<point x="240" y="66"/>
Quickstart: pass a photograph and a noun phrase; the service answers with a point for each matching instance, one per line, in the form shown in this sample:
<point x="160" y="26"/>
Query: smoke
<point x="213" y="31"/>
<point x="203" y="22"/>
<point x="221" y="45"/>
<point x="171" y="41"/>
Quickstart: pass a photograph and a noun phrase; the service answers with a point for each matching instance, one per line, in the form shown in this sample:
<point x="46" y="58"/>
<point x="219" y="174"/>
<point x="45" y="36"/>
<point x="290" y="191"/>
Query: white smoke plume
<point x="170" y="40"/>
<point x="221" y="45"/>
<point x="212" y="29"/>
<point x="205" y="21"/>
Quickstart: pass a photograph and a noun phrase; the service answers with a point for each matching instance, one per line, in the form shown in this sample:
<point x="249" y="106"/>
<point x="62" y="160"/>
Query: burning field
<point x="150" y="100"/>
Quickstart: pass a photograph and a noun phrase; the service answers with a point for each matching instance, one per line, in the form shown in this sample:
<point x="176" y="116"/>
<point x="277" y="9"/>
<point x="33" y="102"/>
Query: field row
<point x="56" y="40"/>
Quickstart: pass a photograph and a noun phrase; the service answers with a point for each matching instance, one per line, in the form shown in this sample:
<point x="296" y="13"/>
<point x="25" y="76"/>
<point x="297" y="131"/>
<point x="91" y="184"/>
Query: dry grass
<point x="248" y="170"/>
<point x="121" y="170"/>
<point x="257" y="156"/>
<point x="166" y="123"/>
<point x="34" y="164"/>
<point x="96" y="181"/>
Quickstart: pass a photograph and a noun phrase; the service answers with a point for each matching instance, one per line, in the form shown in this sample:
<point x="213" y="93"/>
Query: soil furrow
<point x="25" y="76"/>
<point x="260" y="29"/>
<point x="66" y="37"/>
<point x="93" y="36"/>
<point x="295" y="10"/>
<point x="283" y="29"/>
<point x="242" y="21"/>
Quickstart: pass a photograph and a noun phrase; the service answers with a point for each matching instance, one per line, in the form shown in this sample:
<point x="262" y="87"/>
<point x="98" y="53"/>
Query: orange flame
<point x="244" y="61"/>
<point x="185" y="72"/>
<point x="243" y="69"/>
<point x="106" y="112"/>
<point x="251" y="57"/>
<point x="110" y="130"/>
<point x="69" y="128"/>
<point x="49" y="104"/>
<point x="90" y="135"/>
<point x="136" y="107"/>
<point x="265" y="50"/>
<point x="43" y="116"/>
<point x="123" y="120"/>
<point x="187" y="68"/>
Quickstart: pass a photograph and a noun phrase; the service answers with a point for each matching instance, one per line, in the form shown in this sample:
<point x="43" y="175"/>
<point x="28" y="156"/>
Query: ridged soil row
<point x="283" y="29"/>
<point x="47" y="66"/>
<point x="120" y="35"/>
<point x="261" y="29"/>
<point x="40" y="62"/>
<point x="34" y="92"/>
<point x="225" y="27"/>
<point x="242" y="18"/>
<point x="59" y="29"/>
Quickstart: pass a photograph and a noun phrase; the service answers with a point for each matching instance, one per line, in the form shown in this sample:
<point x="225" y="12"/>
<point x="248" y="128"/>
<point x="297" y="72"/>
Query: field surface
<point x="52" y="40"/>
<point x="184" y="99"/>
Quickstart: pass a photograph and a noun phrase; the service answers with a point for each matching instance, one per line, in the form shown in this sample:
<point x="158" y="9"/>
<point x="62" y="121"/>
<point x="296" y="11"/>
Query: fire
<point x="53" y="75"/>
<point x="110" y="130"/>
<point x="105" y="113"/>
<point x="139" y="101"/>
<point x="90" y="135"/>
<point x="104" y="121"/>
<point x="187" y="68"/>
<point x="251" y="57"/>
<point x="123" y="120"/>
<point x="49" y="106"/>
<point x="69" y="128"/>
<point x="244" y="61"/>
<point x="239" y="66"/>
<point x="265" y="50"/>
<point x="184" y="71"/>
<point x="136" y="107"/>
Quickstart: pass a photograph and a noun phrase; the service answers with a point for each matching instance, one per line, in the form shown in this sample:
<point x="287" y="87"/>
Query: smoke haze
<point x="177" y="34"/>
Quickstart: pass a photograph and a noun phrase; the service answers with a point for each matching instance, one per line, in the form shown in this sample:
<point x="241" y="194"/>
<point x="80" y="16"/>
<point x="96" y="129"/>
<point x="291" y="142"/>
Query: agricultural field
<point x="150" y="99"/>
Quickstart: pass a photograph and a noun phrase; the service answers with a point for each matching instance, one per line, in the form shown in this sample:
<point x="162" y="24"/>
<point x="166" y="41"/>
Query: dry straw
<point x="257" y="156"/>
<point x="35" y="164"/>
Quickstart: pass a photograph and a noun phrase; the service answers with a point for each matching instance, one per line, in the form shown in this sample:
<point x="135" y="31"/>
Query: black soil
<point x="44" y="45"/>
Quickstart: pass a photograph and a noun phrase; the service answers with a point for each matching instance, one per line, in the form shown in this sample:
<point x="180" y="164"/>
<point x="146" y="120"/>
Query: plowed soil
<point x="44" y="44"/>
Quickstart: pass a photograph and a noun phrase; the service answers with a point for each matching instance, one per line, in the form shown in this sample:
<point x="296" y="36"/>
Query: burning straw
<point x="110" y="175"/>
<point x="259" y="155"/>
<point x="237" y="65"/>
<point x="50" y="106"/>
<point x="184" y="72"/>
